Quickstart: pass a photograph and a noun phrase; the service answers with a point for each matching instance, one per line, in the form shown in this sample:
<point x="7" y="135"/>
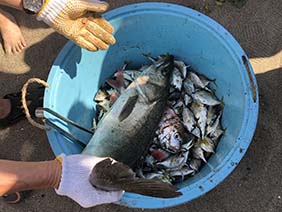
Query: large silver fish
<point x="127" y="130"/>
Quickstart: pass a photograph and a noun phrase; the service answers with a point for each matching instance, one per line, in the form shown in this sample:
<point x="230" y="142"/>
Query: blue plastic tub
<point x="159" y="28"/>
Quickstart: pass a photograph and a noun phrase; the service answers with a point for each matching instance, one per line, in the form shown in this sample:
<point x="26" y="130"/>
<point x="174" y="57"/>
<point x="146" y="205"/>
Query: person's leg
<point x="12" y="36"/>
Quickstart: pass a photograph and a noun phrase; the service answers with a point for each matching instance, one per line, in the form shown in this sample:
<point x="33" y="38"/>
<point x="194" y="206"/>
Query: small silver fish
<point x="211" y="115"/>
<point x="206" y="81"/>
<point x="188" y="119"/>
<point x="177" y="107"/>
<point x="187" y="99"/>
<point x="182" y="67"/>
<point x="188" y="86"/>
<point x="176" y="79"/>
<point x="171" y="131"/>
<point x="196" y="80"/>
<point x="198" y="153"/>
<point x="182" y="172"/>
<point x="217" y="135"/>
<point x="175" y="161"/>
<point x="205" y="97"/>
<point x="196" y="132"/>
<point x="153" y="175"/>
<point x="195" y="164"/>
<point x="131" y="75"/>
<point x="101" y="95"/>
<point x="206" y="144"/>
<point x="187" y="146"/>
<point x="213" y="126"/>
<point x="200" y="112"/>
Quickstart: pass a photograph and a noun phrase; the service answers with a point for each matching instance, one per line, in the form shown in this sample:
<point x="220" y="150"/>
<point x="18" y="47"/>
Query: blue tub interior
<point x="159" y="28"/>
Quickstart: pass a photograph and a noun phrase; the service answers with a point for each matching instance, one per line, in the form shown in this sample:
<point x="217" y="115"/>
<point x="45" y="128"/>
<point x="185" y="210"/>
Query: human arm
<point x="77" y="20"/>
<point x="70" y="178"/>
<point x="17" y="4"/>
<point x="20" y="176"/>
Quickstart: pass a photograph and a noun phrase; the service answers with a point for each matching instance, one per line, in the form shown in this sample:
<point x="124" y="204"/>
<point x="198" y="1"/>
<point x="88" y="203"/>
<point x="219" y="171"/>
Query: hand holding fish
<point x="68" y="175"/>
<point x="75" y="184"/>
<point x="77" y="20"/>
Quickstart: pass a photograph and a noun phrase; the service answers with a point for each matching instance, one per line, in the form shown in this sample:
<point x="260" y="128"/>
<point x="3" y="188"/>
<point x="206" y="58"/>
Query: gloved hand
<point x="77" y="20"/>
<point x="76" y="170"/>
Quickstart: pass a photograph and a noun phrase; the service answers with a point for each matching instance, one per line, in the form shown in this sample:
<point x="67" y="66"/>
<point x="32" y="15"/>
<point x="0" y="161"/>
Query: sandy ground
<point x="256" y="183"/>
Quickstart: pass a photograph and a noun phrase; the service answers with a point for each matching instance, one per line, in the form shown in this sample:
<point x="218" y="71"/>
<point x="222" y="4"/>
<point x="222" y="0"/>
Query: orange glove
<point x="77" y="20"/>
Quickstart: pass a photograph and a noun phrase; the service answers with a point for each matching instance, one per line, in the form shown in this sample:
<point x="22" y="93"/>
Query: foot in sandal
<point x="12" y="198"/>
<point x="11" y="110"/>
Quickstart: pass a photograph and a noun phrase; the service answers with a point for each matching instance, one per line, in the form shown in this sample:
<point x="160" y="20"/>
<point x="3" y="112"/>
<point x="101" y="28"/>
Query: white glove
<point x="75" y="184"/>
<point x="77" y="20"/>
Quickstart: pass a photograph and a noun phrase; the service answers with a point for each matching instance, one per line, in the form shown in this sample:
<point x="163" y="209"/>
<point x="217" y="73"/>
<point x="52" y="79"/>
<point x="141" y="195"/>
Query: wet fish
<point x="205" y="97"/>
<point x="118" y="83"/>
<point x="196" y="80"/>
<point x="200" y="112"/>
<point x="195" y="164"/>
<point x="213" y="126"/>
<point x="110" y="175"/>
<point x="131" y="75"/>
<point x="187" y="99"/>
<point x="198" y="153"/>
<point x="128" y="128"/>
<point x="189" y="87"/>
<point x="171" y="131"/>
<point x="100" y="95"/>
<point x="181" y="67"/>
<point x="206" y="81"/>
<point x="188" y="119"/>
<point x="181" y="173"/>
<point x="176" y="79"/>
<point x="175" y="161"/>
<point x="206" y="144"/>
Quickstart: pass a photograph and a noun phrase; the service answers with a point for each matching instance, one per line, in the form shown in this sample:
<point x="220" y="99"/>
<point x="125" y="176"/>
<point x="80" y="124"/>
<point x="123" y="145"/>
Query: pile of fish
<point x="190" y="127"/>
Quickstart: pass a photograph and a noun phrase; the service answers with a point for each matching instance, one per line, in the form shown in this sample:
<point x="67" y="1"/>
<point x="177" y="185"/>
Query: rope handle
<point x="24" y="92"/>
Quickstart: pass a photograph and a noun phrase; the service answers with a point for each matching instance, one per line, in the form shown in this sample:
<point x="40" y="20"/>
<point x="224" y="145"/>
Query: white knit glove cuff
<point x="75" y="183"/>
<point x="66" y="178"/>
<point x="51" y="11"/>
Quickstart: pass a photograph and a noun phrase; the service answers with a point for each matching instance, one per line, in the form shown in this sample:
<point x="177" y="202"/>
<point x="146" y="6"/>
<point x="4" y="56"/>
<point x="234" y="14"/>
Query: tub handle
<point x="251" y="79"/>
<point x="39" y="114"/>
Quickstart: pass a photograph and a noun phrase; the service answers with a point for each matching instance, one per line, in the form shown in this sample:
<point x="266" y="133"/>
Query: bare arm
<point x="20" y="176"/>
<point x="12" y="3"/>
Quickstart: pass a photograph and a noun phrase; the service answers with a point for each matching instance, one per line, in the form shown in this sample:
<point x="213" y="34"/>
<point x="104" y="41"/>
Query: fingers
<point x="88" y="36"/>
<point x="81" y="41"/>
<point x="96" y="6"/>
<point x="100" y="33"/>
<point x="103" y="24"/>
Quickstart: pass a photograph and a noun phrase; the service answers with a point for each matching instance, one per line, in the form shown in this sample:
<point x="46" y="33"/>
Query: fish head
<point x="153" y="83"/>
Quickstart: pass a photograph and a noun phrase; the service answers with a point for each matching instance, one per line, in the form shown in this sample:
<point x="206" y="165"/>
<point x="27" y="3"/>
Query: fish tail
<point x="154" y="188"/>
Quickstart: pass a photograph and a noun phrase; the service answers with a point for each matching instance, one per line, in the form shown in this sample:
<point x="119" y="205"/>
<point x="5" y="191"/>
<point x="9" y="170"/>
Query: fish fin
<point x="127" y="107"/>
<point x="112" y="175"/>
<point x="154" y="188"/>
